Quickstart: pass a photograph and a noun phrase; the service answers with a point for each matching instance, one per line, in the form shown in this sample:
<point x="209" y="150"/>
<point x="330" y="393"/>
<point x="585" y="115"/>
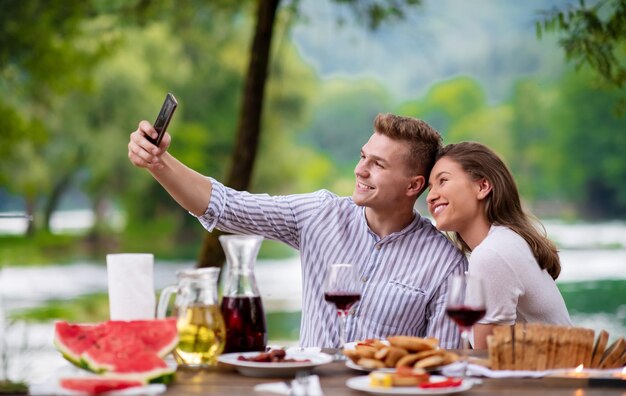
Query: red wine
<point x="245" y="324"/>
<point x="465" y="316"/>
<point x="343" y="301"/>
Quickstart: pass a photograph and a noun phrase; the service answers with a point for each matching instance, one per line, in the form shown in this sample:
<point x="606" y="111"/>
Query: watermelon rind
<point x="132" y="368"/>
<point x="158" y="376"/>
<point x="72" y="352"/>
<point x="165" y="378"/>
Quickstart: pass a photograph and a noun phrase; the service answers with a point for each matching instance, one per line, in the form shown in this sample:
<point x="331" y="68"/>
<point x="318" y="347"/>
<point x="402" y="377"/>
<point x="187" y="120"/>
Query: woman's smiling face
<point x="453" y="197"/>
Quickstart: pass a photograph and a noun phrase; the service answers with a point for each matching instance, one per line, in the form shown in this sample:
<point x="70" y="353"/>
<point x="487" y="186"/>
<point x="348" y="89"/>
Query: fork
<point x="290" y="391"/>
<point x="302" y="379"/>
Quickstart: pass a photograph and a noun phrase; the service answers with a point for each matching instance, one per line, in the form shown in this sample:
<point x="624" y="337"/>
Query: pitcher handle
<point x="164" y="300"/>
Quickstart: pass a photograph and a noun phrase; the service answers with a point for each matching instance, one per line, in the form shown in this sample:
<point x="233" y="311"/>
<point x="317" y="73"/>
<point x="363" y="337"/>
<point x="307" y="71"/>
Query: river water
<point x="593" y="282"/>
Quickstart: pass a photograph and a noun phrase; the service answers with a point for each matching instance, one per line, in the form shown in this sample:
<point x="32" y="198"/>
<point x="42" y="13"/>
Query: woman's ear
<point x="484" y="188"/>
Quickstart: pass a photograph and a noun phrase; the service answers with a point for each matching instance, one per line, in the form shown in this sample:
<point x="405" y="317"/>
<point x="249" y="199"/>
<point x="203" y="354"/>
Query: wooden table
<point x="225" y="381"/>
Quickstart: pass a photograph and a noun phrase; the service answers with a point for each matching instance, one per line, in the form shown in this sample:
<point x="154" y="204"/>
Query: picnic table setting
<point x="190" y="343"/>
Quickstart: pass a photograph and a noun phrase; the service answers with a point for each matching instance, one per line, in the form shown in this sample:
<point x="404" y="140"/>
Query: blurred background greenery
<point x="541" y="82"/>
<point x="76" y="82"/>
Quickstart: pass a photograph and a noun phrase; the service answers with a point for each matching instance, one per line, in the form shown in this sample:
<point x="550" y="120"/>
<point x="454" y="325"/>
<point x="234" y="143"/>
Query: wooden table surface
<point x="223" y="380"/>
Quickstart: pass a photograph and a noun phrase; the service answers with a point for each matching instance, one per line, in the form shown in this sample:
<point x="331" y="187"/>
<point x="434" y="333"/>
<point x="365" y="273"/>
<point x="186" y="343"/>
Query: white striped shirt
<point x="404" y="275"/>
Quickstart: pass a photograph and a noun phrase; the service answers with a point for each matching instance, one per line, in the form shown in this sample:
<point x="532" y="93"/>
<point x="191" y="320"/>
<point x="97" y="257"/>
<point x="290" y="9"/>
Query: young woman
<point x="473" y="195"/>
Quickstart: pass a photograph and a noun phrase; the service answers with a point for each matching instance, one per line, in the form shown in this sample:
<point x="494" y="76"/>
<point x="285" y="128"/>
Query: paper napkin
<point x="131" y="286"/>
<point x="475" y="370"/>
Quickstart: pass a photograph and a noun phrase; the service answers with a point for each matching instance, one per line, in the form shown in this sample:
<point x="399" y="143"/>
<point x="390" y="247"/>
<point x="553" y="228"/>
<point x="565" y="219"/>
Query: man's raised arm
<point x="189" y="188"/>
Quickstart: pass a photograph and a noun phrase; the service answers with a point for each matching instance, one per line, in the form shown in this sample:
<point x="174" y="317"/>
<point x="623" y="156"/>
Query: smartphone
<point x="163" y="119"/>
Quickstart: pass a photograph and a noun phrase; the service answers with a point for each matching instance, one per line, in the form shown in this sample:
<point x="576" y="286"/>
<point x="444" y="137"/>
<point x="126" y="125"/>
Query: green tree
<point x="447" y="102"/>
<point x="41" y="63"/>
<point x="531" y="138"/>
<point x="587" y="146"/>
<point x="593" y="35"/>
<point x="344" y="112"/>
<point x="38" y="63"/>
<point x="249" y="122"/>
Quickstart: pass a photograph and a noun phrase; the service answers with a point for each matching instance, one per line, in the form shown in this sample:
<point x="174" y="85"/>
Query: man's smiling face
<point x="382" y="174"/>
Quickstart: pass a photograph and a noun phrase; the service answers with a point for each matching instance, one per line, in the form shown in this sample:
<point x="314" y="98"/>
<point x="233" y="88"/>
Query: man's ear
<point x="484" y="188"/>
<point x="416" y="185"/>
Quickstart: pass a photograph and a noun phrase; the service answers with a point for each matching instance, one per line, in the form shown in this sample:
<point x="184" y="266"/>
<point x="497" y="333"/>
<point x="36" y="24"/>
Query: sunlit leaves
<point x="373" y="13"/>
<point x="593" y="35"/>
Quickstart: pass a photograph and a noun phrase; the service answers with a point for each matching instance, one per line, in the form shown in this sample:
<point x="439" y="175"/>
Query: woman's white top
<point x="516" y="289"/>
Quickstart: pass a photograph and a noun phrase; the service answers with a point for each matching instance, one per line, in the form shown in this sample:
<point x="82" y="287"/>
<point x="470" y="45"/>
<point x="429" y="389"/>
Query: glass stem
<point x="342" y="334"/>
<point x="342" y="328"/>
<point x="465" y="339"/>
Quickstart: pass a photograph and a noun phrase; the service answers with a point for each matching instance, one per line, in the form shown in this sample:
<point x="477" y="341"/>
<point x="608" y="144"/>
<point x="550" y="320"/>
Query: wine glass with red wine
<point x="342" y="288"/>
<point x="466" y="306"/>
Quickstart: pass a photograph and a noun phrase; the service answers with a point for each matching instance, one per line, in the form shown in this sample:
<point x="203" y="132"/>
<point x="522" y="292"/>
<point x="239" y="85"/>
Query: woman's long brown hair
<point x="504" y="206"/>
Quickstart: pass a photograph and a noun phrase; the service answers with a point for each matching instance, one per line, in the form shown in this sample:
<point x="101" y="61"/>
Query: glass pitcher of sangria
<point x="201" y="330"/>
<point x="242" y="308"/>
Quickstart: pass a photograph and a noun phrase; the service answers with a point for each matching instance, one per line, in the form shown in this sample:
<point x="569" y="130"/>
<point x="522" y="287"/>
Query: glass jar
<point x="201" y="330"/>
<point x="242" y="308"/>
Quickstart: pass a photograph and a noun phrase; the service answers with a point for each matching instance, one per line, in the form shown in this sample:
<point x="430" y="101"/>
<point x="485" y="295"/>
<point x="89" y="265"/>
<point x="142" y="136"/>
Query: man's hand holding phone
<point x="149" y="142"/>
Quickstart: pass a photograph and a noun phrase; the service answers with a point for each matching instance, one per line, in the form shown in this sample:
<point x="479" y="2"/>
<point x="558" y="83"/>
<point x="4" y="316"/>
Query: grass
<point x="45" y="248"/>
<point x="85" y="308"/>
<point x="13" y="388"/>
<point x="41" y="249"/>
<point x="95" y="308"/>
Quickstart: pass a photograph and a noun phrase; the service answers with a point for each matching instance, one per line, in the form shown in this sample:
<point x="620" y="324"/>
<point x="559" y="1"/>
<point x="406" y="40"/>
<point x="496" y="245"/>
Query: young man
<point x="403" y="261"/>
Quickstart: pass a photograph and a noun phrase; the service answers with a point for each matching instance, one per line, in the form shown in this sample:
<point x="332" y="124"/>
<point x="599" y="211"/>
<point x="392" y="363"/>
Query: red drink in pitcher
<point x="245" y="324"/>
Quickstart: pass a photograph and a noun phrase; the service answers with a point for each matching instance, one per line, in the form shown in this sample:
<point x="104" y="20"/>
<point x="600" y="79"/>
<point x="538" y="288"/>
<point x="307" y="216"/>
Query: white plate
<point x="363" y="384"/>
<point x="283" y="369"/>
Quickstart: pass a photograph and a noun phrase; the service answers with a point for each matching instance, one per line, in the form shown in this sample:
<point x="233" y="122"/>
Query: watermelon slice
<point x="76" y="338"/>
<point x="131" y="365"/>
<point x="96" y="385"/>
<point x="161" y="339"/>
<point x="132" y="350"/>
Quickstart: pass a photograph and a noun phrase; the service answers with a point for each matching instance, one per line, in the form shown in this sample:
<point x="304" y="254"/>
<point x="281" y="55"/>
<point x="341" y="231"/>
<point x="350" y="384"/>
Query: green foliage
<point x="13" y="388"/>
<point x="447" y="102"/>
<point x="40" y="64"/>
<point x="90" y="308"/>
<point x="42" y="248"/>
<point x="44" y="56"/>
<point x="533" y="155"/>
<point x="490" y="126"/>
<point x="458" y="109"/>
<point x="93" y="308"/>
<point x="591" y="143"/>
<point x="343" y="119"/>
<point x="283" y="326"/>
<point x="593" y="35"/>
<point x="374" y="13"/>
<point x="125" y="55"/>
<point x="562" y="142"/>
<point x="275" y="250"/>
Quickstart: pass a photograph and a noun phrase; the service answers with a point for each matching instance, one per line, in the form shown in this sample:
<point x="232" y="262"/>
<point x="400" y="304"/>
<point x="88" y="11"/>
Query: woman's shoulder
<point x="500" y="237"/>
<point x="502" y="244"/>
